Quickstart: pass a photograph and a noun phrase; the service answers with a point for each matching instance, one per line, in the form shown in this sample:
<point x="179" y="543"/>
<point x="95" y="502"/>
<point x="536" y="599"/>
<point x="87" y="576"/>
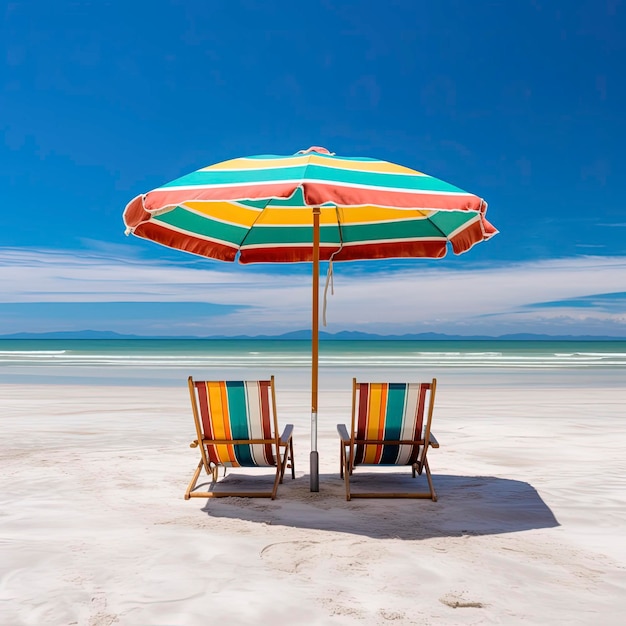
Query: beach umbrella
<point x="307" y="207"/>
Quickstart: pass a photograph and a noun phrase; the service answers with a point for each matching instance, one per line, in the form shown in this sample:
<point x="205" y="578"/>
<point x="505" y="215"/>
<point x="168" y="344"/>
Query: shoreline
<point x="331" y="378"/>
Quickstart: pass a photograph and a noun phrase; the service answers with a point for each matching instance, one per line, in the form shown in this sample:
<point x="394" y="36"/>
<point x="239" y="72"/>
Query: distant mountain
<point x="303" y="335"/>
<point x="72" y="334"/>
<point x="349" y="335"/>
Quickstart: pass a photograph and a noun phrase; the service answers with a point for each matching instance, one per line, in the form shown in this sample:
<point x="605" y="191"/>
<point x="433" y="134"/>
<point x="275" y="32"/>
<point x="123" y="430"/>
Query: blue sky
<point x="518" y="101"/>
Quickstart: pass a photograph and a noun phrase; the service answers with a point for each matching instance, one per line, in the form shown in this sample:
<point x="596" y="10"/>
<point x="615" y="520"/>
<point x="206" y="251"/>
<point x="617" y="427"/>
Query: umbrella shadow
<point x="467" y="505"/>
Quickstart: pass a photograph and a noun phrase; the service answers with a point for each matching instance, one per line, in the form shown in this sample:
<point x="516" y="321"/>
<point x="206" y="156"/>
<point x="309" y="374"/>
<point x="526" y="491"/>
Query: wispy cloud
<point x="609" y="302"/>
<point x="537" y="296"/>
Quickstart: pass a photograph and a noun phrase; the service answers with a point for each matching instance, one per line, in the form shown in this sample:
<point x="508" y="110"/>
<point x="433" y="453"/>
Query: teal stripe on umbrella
<point x="450" y="221"/>
<point x="294" y="201"/>
<point x="315" y="173"/>
<point x="202" y="225"/>
<point x="361" y="233"/>
<point x="364" y="233"/>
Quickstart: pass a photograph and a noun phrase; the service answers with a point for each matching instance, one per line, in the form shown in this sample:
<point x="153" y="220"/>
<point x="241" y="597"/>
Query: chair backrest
<point x="236" y="421"/>
<point x="391" y="421"/>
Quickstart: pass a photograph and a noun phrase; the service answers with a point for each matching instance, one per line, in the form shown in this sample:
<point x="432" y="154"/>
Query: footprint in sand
<point x="343" y="556"/>
<point x="99" y="615"/>
<point x="292" y="556"/>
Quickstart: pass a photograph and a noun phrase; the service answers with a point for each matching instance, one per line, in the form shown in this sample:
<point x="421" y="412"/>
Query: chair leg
<point x="430" y="481"/>
<point x="342" y="452"/>
<point x="287" y="459"/>
<point x="281" y="465"/>
<point x="277" y="480"/>
<point x="194" y="480"/>
<point x="282" y="462"/>
<point x="347" y="472"/>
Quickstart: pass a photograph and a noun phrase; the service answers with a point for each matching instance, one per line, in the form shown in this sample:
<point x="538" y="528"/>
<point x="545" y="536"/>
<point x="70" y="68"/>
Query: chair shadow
<point x="467" y="505"/>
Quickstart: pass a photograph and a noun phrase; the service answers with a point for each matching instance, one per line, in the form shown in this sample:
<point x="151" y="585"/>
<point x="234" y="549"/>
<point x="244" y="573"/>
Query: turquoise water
<point x="19" y="355"/>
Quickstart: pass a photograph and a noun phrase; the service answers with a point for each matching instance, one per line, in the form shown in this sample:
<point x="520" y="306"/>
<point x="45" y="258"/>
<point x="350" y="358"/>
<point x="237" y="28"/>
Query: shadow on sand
<point x="467" y="505"/>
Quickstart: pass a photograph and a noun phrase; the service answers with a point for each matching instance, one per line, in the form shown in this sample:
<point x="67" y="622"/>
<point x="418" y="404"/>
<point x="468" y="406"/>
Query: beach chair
<point x="388" y="428"/>
<point x="236" y="426"/>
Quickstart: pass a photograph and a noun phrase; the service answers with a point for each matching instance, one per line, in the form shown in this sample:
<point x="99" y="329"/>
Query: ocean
<point x="170" y="361"/>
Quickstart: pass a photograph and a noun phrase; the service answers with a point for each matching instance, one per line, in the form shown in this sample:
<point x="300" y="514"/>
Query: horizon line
<point x="305" y="335"/>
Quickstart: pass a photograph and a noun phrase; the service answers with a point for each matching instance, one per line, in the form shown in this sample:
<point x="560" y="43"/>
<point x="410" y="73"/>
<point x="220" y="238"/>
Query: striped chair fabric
<point x="237" y="410"/>
<point x="237" y="426"/>
<point x="389" y="412"/>
<point x="391" y="425"/>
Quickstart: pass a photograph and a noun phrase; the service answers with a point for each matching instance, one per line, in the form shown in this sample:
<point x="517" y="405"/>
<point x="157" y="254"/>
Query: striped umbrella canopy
<point x="310" y="206"/>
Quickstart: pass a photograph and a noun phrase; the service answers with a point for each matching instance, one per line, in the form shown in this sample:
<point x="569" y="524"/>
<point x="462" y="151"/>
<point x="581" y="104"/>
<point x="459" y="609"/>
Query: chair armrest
<point x="287" y="433"/>
<point x="343" y="433"/>
<point x="433" y="441"/>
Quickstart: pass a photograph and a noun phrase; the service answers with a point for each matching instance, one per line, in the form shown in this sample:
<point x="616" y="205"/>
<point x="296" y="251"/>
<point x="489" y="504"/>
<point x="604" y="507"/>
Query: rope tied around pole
<point x="329" y="272"/>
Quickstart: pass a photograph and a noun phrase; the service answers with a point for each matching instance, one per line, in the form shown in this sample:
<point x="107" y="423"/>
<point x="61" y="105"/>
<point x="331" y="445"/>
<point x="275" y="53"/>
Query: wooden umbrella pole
<point x="314" y="459"/>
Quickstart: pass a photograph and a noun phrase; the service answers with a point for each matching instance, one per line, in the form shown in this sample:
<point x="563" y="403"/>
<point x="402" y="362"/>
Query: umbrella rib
<point x="256" y="219"/>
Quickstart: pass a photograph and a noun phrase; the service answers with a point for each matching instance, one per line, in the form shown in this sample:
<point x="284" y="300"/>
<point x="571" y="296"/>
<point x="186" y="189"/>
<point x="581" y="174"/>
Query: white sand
<point x="530" y="526"/>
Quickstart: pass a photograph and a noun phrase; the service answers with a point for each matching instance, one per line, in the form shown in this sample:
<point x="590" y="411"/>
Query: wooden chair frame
<point x="282" y="446"/>
<point x="348" y="443"/>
